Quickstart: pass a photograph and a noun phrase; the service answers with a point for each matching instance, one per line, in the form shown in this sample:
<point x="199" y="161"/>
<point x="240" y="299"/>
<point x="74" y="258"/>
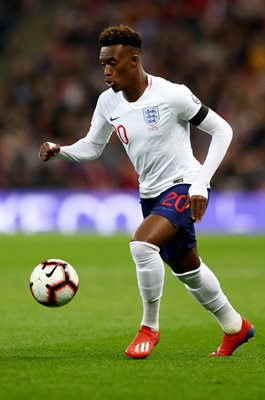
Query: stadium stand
<point x="51" y="78"/>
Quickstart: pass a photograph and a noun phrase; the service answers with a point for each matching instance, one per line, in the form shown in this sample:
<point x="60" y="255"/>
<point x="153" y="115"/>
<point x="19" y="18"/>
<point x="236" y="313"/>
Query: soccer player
<point x="151" y="117"/>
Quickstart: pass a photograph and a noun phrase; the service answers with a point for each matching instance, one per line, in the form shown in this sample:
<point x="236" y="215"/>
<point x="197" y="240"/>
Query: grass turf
<point x="77" y="350"/>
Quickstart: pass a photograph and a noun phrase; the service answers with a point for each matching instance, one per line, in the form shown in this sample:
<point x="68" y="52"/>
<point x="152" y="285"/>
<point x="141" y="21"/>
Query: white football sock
<point x="205" y="288"/>
<point x="150" y="275"/>
<point x="151" y="314"/>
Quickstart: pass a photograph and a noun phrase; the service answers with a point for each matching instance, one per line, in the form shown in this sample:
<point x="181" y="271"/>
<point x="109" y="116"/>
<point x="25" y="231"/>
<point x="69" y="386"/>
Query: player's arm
<point x="221" y="132"/>
<point x="81" y="151"/>
<point x="86" y="149"/>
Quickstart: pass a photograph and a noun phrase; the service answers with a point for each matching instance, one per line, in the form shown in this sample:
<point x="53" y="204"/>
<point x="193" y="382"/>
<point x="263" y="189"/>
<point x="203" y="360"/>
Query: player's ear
<point x="135" y="60"/>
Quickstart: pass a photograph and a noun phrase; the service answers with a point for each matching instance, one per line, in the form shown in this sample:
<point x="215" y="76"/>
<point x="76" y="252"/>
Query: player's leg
<point x="205" y="288"/>
<point x="163" y="216"/>
<point x="145" y="246"/>
<point x="154" y="231"/>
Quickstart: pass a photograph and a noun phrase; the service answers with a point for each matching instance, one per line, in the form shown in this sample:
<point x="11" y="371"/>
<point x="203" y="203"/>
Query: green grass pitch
<point x="77" y="351"/>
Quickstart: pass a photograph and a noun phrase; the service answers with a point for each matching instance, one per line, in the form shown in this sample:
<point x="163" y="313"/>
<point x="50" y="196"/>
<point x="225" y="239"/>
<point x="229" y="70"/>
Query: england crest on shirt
<point x="151" y="115"/>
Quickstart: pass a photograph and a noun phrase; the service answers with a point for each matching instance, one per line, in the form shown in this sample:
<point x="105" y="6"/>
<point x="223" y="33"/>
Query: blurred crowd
<point x="217" y="48"/>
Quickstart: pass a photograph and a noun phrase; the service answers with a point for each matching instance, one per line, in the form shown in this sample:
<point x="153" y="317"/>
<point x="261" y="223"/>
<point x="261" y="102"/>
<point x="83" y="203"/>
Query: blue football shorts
<point x="172" y="205"/>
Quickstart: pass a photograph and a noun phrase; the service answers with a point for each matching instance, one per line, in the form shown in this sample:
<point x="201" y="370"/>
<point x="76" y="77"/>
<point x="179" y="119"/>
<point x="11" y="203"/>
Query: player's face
<point x="119" y="63"/>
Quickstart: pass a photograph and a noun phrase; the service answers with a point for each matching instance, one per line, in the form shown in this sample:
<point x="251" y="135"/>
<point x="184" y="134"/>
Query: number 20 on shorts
<point x="175" y="200"/>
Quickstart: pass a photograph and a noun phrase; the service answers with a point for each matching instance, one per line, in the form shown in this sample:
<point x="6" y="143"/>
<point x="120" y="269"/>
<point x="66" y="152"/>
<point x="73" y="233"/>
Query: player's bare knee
<point x="142" y="237"/>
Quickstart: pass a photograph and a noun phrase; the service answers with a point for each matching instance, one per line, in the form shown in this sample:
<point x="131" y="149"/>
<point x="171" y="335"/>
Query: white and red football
<point x="54" y="282"/>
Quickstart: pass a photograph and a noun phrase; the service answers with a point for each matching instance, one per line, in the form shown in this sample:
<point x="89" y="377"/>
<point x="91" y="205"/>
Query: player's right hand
<point x="48" y="150"/>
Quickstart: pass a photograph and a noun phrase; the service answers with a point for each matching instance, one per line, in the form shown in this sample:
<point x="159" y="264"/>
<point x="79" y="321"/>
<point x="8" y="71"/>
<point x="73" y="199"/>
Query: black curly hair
<point x="121" y="34"/>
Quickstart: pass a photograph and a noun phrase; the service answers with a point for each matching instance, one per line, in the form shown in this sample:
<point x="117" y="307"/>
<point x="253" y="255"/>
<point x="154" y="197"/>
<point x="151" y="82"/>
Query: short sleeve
<point x="183" y="102"/>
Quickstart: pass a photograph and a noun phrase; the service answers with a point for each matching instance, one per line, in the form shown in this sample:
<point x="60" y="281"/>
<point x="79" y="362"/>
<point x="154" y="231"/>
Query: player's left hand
<point x="197" y="200"/>
<point x="198" y="206"/>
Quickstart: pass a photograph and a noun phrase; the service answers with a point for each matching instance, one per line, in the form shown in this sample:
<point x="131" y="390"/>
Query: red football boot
<point x="231" y="342"/>
<point x="143" y="343"/>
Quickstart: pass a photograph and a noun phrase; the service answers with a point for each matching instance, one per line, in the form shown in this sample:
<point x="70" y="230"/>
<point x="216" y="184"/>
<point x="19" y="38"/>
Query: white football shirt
<point x="154" y="131"/>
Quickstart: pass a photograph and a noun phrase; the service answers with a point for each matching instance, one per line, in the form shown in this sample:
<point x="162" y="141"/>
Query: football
<point x="54" y="282"/>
